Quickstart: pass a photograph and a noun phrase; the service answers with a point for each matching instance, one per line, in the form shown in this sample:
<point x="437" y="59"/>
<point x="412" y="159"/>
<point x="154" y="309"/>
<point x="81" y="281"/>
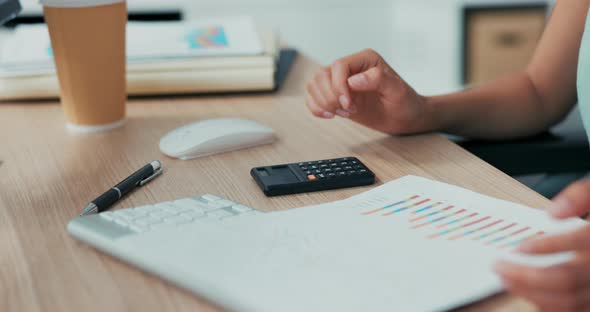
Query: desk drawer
<point x="500" y="41"/>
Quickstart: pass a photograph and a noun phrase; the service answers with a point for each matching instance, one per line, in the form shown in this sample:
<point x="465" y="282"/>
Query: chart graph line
<point x="406" y="208"/>
<point x="467" y="233"/>
<point x="391" y="205"/>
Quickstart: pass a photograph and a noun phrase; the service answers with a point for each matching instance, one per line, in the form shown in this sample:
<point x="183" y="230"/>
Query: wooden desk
<point x="48" y="175"/>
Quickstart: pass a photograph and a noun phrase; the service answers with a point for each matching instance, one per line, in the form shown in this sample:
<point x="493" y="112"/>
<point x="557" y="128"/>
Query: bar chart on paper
<point x="444" y="220"/>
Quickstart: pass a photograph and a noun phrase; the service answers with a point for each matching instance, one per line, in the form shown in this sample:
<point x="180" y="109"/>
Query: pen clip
<point x="153" y="176"/>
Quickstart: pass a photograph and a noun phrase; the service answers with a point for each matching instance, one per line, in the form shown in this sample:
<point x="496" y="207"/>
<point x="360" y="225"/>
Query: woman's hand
<point x="364" y="88"/>
<point x="564" y="287"/>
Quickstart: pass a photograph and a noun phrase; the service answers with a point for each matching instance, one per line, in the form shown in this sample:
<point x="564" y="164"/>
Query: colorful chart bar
<point x="406" y="208"/>
<point x="479" y="229"/>
<point x="458" y="220"/>
<point x="520" y="241"/>
<point x="432" y="214"/>
<point x="501" y="238"/>
<point x="451" y="230"/>
<point x="438" y="219"/>
<point x="494" y="232"/>
<point x="427" y="208"/>
<point x="391" y="205"/>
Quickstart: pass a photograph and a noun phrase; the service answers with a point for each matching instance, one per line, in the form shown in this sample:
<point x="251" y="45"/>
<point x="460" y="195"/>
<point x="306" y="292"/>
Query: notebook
<point x="412" y="244"/>
<point x="212" y="55"/>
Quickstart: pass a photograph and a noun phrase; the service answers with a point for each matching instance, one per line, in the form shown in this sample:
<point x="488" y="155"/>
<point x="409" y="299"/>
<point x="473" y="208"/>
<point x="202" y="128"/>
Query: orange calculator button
<point x="311" y="177"/>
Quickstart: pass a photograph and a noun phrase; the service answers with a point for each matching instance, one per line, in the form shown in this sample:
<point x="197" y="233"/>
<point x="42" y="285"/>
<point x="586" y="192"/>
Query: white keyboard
<point x="205" y="208"/>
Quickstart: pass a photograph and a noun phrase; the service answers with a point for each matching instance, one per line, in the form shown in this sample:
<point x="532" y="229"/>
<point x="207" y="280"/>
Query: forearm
<point x="510" y="107"/>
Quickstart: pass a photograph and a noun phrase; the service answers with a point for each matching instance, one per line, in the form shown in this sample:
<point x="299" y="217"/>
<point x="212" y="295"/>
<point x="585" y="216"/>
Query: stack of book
<point x="208" y="56"/>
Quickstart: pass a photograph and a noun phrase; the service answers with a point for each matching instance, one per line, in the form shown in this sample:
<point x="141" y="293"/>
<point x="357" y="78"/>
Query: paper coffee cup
<point x="88" y="45"/>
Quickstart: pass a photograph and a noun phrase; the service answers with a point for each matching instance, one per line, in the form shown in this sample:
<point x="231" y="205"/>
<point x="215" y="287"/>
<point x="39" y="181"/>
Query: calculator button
<point x="304" y="168"/>
<point x="333" y="164"/>
<point x="321" y="176"/>
<point x="317" y="171"/>
<point x="344" y="163"/>
<point x="308" y="172"/>
<point x="323" y="166"/>
<point x="348" y="168"/>
<point x="311" y="177"/>
<point x="351" y="172"/>
<point x="358" y="167"/>
<point x="337" y="169"/>
<point x="313" y="167"/>
<point x="327" y="170"/>
<point x="363" y="171"/>
<point x="331" y="175"/>
<point x="341" y="173"/>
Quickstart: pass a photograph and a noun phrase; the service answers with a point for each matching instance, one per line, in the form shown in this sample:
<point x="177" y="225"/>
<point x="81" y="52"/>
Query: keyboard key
<point x="210" y="198"/>
<point x="311" y="177"/>
<point x="192" y="215"/>
<point x="331" y="175"/>
<point x="160" y="226"/>
<point x="122" y="222"/>
<point x="188" y="203"/>
<point x="218" y="214"/>
<point x="161" y="214"/>
<point x="221" y="204"/>
<point x="240" y="208"/>
<point x="107" y="215"/>
<point x="177" y="220"/>
<point x="147" y="221"/>
<point x="146" y="208"/>
<point x="139" y="228"/>
<point x="321" y="176"/>
<point x="166" y="206"/>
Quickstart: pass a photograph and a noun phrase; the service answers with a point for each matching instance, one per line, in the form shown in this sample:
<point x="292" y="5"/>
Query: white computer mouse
<point x="213" y="136"/>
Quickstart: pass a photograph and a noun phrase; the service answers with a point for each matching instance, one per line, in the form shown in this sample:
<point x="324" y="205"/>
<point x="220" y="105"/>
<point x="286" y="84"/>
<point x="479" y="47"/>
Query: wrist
<point x="435" y="116"/>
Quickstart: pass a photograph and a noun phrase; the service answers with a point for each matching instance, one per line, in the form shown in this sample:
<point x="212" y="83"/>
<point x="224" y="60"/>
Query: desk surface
<point x="47" y="175"/>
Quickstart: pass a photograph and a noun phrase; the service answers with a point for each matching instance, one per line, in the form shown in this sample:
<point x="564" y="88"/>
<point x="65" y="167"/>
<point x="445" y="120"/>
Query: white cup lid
<point x="77" y="3"/>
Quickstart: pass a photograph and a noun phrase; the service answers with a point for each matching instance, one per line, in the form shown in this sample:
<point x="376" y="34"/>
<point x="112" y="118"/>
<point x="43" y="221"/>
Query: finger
<point x="572" y="241"/>
<point x="370" y="80"/>
<point x="314" y="90"/>
<point x="361" y="61"/>
<point x="316" y="110"/>
<point x="330" y="100"/>
<point x="574" y="201"/>
<point x="544" y="300"/>
<point x="340" y="74"/>
<point x="555" y="278"/>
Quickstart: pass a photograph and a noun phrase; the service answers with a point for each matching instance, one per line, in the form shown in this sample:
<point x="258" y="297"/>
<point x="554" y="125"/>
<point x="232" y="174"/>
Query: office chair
<point x="558" y="157"/>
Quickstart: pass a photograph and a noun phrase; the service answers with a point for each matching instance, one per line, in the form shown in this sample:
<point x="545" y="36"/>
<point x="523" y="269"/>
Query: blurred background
<point x="436" y="45"/>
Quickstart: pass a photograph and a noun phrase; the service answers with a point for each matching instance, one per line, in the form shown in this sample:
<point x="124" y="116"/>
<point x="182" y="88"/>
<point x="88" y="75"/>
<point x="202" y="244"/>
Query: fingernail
<point x="328" y="115"/>
<point x="559" y="207"/>
<point x="344" y="101"/>
<point x="342" y="113"/>
<point x="358" y="80"/>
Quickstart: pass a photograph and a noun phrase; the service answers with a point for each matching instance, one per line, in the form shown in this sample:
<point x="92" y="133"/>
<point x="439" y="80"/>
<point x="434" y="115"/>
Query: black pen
<point x="139" y="178"/>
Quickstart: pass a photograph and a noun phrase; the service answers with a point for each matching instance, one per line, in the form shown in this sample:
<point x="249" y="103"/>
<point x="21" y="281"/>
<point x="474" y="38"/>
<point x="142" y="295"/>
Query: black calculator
<point x="312" y="176"/>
